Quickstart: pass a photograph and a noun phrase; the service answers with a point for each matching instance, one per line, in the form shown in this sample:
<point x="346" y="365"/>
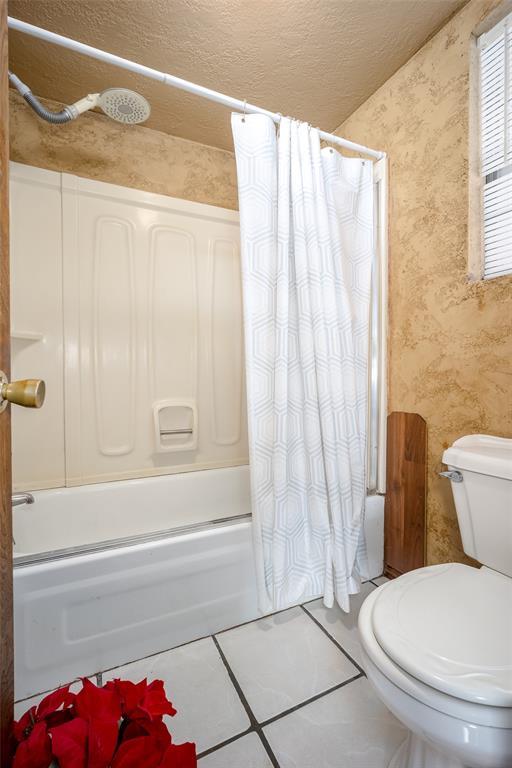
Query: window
<point x="495" y="57"/>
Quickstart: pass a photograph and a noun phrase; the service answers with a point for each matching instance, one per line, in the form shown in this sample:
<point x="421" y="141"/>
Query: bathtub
<point x="86" y="600"/>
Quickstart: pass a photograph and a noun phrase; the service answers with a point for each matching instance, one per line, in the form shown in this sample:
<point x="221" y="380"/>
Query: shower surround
<point x="128" y="304"/>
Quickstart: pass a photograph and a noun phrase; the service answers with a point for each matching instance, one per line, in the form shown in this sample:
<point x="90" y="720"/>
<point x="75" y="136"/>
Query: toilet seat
<point x="462" y="710"/>
<point x="448" y="626"/>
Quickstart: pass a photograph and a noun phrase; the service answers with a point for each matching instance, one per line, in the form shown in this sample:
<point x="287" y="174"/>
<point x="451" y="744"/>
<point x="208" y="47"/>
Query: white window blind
<point x="496" y="147"/>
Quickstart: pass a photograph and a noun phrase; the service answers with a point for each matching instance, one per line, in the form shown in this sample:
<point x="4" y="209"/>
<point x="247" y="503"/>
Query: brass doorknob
<point x="28" y="392"/>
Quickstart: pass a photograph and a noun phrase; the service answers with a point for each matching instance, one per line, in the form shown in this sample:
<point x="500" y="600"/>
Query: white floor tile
<point x="381" y="580"/>
<point x="342" y="626"/>
<point x="348" y="728"/>
<point x="197" y="683"/>
<point x="247" y="752"/>
<point x="282" y="660"/>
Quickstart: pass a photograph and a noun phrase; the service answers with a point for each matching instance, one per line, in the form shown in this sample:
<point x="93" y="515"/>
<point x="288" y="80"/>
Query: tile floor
<point x="284" y="691"/>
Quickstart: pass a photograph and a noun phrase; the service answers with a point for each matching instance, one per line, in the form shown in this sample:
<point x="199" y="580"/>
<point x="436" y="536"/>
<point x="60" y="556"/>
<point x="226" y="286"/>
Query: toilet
<point x="437" y="641"/>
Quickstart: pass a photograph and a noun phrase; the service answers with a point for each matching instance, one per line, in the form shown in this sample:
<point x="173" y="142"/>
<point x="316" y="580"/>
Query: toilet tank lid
<point x="485" y="454"/>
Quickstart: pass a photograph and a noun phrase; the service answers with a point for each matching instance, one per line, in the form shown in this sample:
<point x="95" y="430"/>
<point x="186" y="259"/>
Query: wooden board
<point x="405" y="507"/>
<point x="6" y="620"/>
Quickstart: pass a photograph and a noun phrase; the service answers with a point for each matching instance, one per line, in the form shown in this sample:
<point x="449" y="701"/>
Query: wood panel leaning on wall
<point x="405" y="507"/>
<point x="6" y="620"/>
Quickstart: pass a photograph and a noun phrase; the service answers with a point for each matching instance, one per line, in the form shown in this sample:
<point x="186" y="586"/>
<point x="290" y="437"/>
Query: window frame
<point x="476" y="250"/>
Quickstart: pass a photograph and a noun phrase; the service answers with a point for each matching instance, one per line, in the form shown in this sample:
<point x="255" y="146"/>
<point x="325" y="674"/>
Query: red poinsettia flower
<point x="36" y="750"/>
<point x="117" y="726"/>
<point x="23" y="727"/>
<point x="100" y="710"/>
<point x="140" y="700"/>
<point x="69" y="743"/>
<point x="55" y="706"/>
<point x="180" y="756"/>
<point x="143" y="752"/>
<point x="61" y="699"/>
<point x="97" y="703"/>
<point x="154" y="728"/>
<point x="32" y="730"/>
<point x="140" y="752"/>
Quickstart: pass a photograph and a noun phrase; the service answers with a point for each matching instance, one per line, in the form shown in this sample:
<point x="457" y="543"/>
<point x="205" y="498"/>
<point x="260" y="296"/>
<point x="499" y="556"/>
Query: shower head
<point x="124" y="105"/>
<point x="119" y="104"/>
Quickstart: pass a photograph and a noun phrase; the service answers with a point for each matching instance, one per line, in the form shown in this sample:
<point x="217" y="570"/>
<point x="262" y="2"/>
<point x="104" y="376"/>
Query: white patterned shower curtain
<point x="306" y="218"/>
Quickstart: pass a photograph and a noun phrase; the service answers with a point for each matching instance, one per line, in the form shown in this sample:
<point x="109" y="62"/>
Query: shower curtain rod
<point x="175" y="82"/>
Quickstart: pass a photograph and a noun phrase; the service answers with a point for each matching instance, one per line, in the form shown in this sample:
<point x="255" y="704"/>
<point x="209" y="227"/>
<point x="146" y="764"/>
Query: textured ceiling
<point x="317" y="60"/>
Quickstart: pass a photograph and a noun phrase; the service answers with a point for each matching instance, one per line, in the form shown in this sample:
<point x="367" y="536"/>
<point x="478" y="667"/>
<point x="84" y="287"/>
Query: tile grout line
<point x="152" y="655"/>
<point x="181" y="645"/>
<point x="332" y="639"/>
<point x="255" y="726"/>
<point x="252" y="621"/>
<point x="94" y="675"/>
<point x="311" y="700"/>
<point x="225" y="743"/>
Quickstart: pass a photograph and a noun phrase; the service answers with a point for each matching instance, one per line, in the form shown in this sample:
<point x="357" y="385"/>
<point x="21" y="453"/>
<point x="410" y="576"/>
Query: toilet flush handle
<point x="453" y="474"/>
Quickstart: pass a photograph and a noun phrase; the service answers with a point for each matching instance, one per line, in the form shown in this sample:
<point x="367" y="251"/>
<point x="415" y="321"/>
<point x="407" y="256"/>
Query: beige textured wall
<point x="450" y="340"/>
<point x="133" y="156"/>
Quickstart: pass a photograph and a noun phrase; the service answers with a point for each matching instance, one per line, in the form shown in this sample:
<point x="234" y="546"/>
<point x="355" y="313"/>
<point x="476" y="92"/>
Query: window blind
<point x="495" y="49"/>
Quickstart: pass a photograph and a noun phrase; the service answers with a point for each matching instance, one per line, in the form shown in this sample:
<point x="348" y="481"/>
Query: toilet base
<point x="416" y="753"/>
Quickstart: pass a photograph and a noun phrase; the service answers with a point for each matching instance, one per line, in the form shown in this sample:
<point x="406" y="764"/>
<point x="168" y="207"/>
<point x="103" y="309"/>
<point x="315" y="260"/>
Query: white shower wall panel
<point x="150" y="313"/>
<point x="37" y="344"/>
<point x="154" y="308"/>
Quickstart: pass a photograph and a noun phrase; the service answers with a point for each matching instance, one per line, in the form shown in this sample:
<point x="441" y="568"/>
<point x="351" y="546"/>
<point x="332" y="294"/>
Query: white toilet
<point x="437" y="642"/>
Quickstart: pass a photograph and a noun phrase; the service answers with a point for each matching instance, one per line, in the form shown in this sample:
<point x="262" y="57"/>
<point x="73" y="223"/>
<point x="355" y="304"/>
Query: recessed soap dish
<point x="175" y="425"/>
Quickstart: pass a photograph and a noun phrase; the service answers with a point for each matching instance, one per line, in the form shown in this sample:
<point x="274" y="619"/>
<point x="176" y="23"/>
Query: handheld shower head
<point x="124" y="105"/>
<point x="119" y="104"/>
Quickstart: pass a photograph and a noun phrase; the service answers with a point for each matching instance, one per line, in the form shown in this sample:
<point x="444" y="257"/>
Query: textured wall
<point x="450" y="340"/>
<point x="133" y="156"/>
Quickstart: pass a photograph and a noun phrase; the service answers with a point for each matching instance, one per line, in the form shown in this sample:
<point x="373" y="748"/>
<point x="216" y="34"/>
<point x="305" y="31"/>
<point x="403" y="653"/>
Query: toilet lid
<point x="450" y="626"/>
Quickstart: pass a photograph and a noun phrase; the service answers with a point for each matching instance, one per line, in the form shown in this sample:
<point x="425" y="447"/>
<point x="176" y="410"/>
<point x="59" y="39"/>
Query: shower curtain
<point x="306" y="219"/>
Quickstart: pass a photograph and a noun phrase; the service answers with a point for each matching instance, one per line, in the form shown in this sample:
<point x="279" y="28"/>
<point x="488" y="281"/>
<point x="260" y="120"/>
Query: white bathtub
<point x="71" y="518"/>
<point x="86" y="600"/>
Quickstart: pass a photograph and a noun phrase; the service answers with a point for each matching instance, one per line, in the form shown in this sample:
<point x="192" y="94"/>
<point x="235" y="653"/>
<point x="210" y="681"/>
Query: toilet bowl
<point x="437" y="641"/>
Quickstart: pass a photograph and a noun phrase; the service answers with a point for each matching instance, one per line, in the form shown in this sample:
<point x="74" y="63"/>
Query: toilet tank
<point x="482" y="491"/>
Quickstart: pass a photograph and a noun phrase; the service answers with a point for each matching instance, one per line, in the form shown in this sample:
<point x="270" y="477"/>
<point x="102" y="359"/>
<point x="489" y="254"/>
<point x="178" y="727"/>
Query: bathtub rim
<point x="373" y="527"/>
<point x="37" y="558"/>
